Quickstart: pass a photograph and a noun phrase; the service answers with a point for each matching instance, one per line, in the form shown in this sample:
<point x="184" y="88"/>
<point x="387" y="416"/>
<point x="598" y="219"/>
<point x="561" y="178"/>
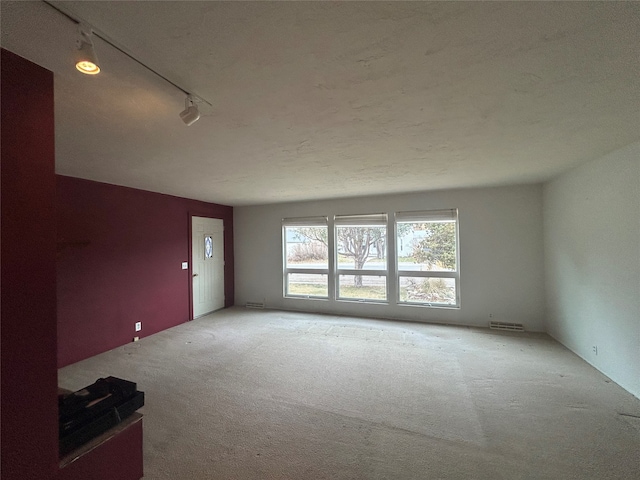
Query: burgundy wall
<point x="29" y="418"/>
<point x="119" y="262"/>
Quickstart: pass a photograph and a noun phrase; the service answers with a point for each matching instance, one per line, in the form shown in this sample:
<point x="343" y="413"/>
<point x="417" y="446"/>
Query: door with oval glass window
<point x="207" y="265"/>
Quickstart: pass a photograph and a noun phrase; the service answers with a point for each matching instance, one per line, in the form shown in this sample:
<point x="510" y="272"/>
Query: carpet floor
<point x="259" y="394"/>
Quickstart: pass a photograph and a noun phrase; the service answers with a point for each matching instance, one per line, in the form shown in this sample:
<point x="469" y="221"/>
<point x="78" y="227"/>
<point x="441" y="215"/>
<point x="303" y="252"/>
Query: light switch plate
<point x="185" y="265"/>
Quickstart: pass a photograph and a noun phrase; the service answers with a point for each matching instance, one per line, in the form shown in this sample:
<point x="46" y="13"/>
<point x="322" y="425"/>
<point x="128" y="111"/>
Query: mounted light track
<point x="87" y="61"/>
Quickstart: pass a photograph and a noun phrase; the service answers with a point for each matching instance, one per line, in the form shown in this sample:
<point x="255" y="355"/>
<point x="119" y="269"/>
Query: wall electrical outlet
<point x="185" y="265"/>
<point x="135" y="339"/>
<point x="595" y="349"/>
<point x="138" y="326"/>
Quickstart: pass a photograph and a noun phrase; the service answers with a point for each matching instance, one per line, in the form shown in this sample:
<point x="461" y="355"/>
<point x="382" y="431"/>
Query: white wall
<point x="501" y="255"/>
<point x="592" y="263"/>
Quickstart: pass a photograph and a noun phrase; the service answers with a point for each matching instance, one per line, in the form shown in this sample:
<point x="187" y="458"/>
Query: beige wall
<point x="501" y="254"/>
<point x="592" y="263"/>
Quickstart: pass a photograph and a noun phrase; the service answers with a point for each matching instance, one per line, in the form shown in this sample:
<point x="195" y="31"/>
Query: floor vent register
<point x="512" y="327"/>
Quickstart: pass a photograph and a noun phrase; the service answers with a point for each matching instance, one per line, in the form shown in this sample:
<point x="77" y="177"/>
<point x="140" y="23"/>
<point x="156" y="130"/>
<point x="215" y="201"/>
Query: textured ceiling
<point x="332" y="99"/>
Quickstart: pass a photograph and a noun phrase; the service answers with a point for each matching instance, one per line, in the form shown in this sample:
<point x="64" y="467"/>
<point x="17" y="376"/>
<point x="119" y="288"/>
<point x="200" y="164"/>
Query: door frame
<point x="190" y="255"/>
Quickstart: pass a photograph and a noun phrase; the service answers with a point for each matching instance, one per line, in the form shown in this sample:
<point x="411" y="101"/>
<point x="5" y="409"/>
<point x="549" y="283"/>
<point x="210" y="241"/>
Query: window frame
<point x="428" y="216"/>
<point x="392" y="273"/>
<point x="366" y="220"/>
<point x="287" y="270"/>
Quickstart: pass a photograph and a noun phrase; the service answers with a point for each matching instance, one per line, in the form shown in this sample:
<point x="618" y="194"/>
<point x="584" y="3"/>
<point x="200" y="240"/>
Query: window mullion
<point x="331" y="240"/>
<point x="427" y="274"/>
<point x="371" y="273"/>
<point x="392" y="264"/>
<point x="308" y="271"/>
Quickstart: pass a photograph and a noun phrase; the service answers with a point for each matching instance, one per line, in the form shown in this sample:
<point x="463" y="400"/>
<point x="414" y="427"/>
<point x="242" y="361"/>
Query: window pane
<point x="362" y="247"/>
<point x="208" y="247"/>
<point x="312" y="285"/>
<point x="306" y="247"/>
<point x="428" y="290"/>
<point x="362" y="287"/>
<point x="428" y="246"/>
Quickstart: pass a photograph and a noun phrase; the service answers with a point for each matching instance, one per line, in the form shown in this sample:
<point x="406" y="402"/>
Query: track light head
<point x="86" y="58"/>
<point x="190" y="114"/>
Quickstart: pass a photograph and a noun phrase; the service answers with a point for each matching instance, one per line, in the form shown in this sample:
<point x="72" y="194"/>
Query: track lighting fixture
<point x="190" y="114"/>
<point x="86" y="58"/>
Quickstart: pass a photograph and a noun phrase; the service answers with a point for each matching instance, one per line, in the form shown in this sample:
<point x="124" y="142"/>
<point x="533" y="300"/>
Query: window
<point x="351" y="262"/>
<point x="361" y="257"/>
<point x="208" y="247"/>
<point x="427" y="257"/>
<point x="306" y="257"/>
